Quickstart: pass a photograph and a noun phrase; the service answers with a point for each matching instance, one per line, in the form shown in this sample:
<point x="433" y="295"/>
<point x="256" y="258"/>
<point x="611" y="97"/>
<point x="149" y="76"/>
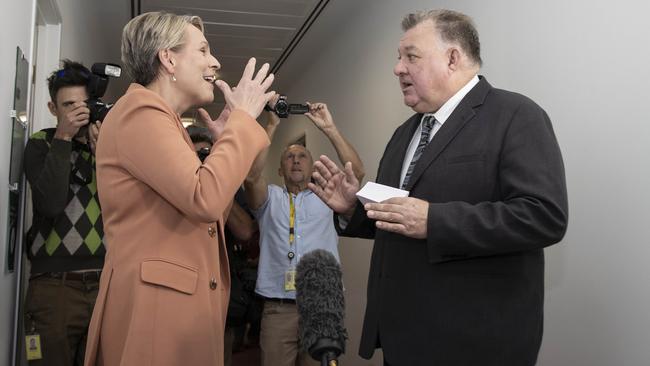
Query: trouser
<point x="228" y="342"/>
<point x="279" y="336"/>
<point x="59" y="309"/>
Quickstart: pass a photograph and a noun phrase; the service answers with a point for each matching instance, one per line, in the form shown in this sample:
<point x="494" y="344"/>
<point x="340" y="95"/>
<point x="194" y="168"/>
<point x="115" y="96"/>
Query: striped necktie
<point x="427" y="125"/>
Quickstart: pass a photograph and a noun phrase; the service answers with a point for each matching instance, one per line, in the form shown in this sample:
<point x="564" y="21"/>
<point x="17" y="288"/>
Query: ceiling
<point x="239" y="29"/>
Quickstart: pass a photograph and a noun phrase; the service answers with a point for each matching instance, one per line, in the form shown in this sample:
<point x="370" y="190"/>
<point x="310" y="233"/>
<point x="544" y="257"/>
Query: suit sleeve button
<point x="213" y="283"/>
<point x="212" y="232"/>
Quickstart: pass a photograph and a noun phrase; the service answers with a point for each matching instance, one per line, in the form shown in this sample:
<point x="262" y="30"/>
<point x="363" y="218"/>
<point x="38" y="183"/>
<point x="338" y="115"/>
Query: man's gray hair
<point x="286" y="149"/>
<point x="452" y="26"/>
<point x="145" y="35"/>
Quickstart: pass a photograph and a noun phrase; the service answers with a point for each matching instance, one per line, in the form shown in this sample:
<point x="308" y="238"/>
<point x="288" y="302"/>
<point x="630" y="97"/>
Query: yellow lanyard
<point x="292" y="219"/>
<point x="292" y="223"/>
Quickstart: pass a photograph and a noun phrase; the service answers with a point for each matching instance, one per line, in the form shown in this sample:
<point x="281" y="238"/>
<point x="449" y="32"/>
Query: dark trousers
<point x="228" y="342"/>
<point x="59" y="311"/>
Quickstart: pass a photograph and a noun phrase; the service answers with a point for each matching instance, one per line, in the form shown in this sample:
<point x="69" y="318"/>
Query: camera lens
<point x="281" y="107"/>
<point x="203" y="153"/>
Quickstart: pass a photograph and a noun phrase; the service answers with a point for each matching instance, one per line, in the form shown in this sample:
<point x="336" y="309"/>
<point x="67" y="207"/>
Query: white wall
<point x="17" y="20"/>
<point x="48" y="46"/>
<point x="585" y="62"/>
<point x="92" y="32"/>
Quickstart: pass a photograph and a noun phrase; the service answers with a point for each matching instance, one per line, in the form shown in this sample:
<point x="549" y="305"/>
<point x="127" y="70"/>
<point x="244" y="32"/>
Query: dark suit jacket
<point x="471" y="293"/>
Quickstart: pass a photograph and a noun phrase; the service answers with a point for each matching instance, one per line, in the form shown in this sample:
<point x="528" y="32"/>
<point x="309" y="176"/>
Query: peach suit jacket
<point x="164" y="289"/>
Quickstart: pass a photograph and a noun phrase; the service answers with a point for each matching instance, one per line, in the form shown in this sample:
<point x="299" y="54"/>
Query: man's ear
<point x="52" y="107"/>
<point x="166" y="58"/>
<point x="454" y="58"/>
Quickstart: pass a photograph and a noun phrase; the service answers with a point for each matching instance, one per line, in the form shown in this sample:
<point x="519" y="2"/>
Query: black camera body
<point x="203" y="153"/>
<point x="97" y="83"/>
<point x="284" y="109"/>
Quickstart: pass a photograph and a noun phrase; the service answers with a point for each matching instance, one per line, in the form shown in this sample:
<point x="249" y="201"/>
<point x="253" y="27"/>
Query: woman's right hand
<point x="250" y="94"/>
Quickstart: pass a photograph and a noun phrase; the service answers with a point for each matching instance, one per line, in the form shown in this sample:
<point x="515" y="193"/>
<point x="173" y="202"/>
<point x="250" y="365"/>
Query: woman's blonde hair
<point x="149" y="33"/>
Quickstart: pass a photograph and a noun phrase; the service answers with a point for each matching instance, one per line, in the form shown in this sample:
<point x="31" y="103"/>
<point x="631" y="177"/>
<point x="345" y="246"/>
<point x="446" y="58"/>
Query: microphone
<point x="320" y="302"/>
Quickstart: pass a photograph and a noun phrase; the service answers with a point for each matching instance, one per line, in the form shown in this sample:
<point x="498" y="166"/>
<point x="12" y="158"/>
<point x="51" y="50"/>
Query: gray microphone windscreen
<point x="320" y="301"/>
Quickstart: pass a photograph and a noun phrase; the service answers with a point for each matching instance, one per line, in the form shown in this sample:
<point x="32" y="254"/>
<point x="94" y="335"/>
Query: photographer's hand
<point x="250" y="94"/>
<point x="68" y="126"/>
<point x="93" y="135"/>
<point x="272" y="102"/>
<point x="273" y="121"/>
<point x="320" y="115"/>
<point x="272" y="124"/>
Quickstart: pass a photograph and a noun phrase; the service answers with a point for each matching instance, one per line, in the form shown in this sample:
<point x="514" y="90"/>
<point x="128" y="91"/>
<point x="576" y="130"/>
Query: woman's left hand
<point x="217" y="126"/>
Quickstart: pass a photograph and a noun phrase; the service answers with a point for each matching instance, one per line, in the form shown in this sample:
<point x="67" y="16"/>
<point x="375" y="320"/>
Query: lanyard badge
<point x="33" y="342"/>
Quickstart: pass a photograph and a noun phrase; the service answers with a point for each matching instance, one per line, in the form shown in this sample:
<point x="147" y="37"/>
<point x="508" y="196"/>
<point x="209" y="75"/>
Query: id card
<point x="290" y="280"/>
<point x="33" y="347"/>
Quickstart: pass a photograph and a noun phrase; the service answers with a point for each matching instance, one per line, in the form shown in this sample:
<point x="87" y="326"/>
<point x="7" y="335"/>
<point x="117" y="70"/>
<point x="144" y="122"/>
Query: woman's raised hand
<point x="250" y="95"/>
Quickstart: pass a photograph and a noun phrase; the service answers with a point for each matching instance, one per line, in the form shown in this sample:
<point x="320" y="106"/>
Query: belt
<point x="72" y="276"/>
<point x="281" y="301"/>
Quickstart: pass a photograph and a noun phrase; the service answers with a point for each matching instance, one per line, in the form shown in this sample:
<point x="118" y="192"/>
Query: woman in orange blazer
<point x="164" y="289"/>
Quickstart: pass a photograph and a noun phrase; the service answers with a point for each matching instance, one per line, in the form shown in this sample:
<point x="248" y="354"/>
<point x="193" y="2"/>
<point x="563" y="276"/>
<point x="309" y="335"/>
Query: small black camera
<point x="284" y="109"/>
<point x="97" y="83"/>
<point x="203" y="153"/>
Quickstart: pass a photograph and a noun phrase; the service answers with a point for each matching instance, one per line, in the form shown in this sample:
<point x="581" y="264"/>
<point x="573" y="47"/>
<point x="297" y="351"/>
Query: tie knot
<point x="428" y="121"/>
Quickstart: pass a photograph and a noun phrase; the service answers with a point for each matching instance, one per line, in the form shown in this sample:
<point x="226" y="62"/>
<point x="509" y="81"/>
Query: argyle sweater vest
<point x="73" y="238"/>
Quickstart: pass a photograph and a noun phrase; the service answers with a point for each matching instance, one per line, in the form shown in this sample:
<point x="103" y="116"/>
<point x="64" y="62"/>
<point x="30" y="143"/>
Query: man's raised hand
<point x="336" y="187"/>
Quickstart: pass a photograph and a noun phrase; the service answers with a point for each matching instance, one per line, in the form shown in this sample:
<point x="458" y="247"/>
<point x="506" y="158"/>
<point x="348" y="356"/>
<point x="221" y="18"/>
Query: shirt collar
<point x="450" y="105"/>
<point x="304" y="191"/>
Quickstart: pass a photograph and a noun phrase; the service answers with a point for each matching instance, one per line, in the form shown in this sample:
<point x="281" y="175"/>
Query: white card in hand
<point x="374" y="192"/>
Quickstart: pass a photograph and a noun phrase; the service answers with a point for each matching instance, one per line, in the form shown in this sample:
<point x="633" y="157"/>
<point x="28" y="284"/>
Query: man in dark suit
<point x="457" y="269"/>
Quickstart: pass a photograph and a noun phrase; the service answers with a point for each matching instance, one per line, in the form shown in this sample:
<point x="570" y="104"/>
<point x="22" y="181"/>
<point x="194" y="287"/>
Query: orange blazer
<point x="164" y="290"/>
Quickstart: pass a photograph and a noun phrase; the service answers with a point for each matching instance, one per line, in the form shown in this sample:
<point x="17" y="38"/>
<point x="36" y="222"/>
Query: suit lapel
<point x="395" y="154"/>
<point x="463" y="113"/>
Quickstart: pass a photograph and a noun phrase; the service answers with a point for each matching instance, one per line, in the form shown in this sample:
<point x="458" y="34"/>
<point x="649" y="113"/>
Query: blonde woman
<point x="165" y="284"/>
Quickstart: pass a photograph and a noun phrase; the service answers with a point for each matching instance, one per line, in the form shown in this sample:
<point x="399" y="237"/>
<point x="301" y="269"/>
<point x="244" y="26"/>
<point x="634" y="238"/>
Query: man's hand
<point x="401" y="215"/>
<point x="93" y="135"/>
<point x="69" y="125"/>
<point x="273" y="120"/>
<point x="250" y="94"/>
<point x="336" y="187"/>
<point x="320" y="115"/>
<point x="216" y="126"/>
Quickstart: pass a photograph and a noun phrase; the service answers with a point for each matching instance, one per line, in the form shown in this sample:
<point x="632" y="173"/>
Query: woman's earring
<point x="173" y="77"/>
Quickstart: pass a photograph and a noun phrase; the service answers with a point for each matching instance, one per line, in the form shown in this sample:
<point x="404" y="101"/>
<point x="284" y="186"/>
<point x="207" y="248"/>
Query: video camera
<point x="284" y="109"/>
<point x="97" y="83"/>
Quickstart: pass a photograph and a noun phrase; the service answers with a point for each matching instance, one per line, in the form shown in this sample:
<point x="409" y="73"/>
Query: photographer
<point x="293" y="221"/>
<point x="65" y="242"/>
